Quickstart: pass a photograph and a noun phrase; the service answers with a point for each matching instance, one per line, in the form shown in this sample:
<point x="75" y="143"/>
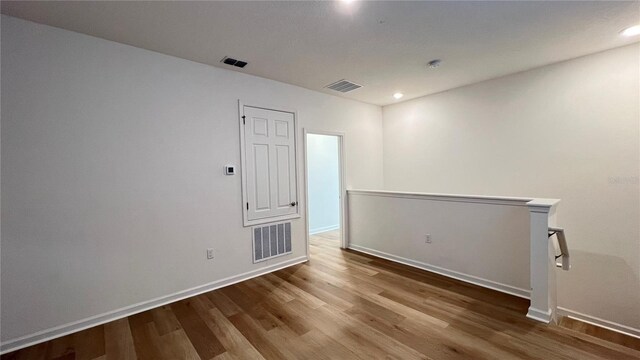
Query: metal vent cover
<point x="233" y="62"/>
<point x="271" y="241"/>
<point x="343" y="86"/>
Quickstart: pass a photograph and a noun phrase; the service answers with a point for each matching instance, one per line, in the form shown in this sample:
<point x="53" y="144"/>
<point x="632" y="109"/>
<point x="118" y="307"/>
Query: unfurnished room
<point x="344" y="179"/>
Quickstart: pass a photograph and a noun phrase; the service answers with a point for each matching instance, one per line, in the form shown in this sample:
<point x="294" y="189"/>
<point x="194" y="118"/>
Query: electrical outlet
<point x="209" y="254"/>
<point x="427" y="239"/>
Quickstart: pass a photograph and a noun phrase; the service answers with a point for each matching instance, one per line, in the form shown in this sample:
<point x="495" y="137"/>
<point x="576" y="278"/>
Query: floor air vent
<point x="270" y="241"/>
<point x="343" y="86"/>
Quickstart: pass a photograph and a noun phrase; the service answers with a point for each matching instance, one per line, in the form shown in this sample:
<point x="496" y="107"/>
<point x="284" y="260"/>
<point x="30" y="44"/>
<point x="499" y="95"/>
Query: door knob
<point x="294" y="203"/>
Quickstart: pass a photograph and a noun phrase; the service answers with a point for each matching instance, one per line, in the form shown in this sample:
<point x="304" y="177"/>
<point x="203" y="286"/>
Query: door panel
<point x="270" y="167"/>
<point x="284" y="185"/>
<point x="260" y="127"/>
<point x="282" y="129"/>
<point x="262" y="183"/>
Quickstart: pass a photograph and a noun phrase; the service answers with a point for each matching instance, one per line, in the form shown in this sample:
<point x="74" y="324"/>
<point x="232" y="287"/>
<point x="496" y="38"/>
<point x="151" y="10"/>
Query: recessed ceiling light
<point x="347" y="7"/>
<point x="631" y="31"/>
<point x="398" y="95"/>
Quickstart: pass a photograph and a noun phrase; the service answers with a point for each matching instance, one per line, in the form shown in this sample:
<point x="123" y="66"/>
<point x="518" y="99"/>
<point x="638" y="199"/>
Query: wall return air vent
<point x="270" y="241"/>
<point x="343" y="86"/>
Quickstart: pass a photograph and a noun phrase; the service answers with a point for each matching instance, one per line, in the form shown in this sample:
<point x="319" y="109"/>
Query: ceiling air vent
<point x="235" y="62"/>
<point x="343" y="86"/>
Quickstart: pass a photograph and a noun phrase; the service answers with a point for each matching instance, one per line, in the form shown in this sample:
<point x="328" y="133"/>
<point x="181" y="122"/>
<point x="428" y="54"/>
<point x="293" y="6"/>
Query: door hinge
<point x="244" y="122"/>
<point x="247" y="206"/>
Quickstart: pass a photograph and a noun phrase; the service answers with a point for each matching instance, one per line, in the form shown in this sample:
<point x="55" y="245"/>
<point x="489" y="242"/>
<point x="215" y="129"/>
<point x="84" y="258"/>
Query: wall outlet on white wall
<point x="209" y="253"/>
<point x="427" y="239"/>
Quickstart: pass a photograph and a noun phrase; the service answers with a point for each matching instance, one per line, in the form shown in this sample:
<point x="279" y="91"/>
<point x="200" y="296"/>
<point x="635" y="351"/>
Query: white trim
<point x="539" y="315"/>
<point x="324" y="229"/>
<point x="542" y="205"/>
<point x="508" y="289"/>
<point x="306" y="190"/>
<point x="344" y="215"/>
<point x="269" y="220"/>
<point x="343" y="192"/>
<point x="243" y="161"/>
<point x="609" y="325"/>
<point x="536" y="204"/>
<point x="496" y="200"/>
<point x="58" y="331"/>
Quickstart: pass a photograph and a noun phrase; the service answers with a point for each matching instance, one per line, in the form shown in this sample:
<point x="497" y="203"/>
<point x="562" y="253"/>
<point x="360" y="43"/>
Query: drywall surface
<point x="113" y="182"/>
<point x="324" y="182"/>
<point x="568" y="131"/>
<point x="482" y="241"/>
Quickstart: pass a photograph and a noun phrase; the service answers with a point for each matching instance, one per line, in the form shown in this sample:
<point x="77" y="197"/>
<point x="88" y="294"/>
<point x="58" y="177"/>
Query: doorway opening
<point x="325" y="189"/>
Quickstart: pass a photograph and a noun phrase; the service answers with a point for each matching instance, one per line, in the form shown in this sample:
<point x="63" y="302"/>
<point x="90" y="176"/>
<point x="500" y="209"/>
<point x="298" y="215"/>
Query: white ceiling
<point x="381" y="45"/>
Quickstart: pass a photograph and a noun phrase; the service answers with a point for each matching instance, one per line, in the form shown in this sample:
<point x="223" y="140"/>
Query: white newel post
<point x="543" y="276"/>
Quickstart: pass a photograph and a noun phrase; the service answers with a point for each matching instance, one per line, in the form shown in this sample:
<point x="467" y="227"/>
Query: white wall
<point x="568" y="131"/>
<point x="483" y="241"/>
<point x="112" y="172"/>
<point x="323" y="182"/>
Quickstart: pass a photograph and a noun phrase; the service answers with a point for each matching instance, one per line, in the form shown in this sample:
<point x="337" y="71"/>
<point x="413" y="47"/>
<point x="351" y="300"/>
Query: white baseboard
<point x="324" y="229"/>
<point x="523" y="293"/>
<point x="610" y="325"/>
<point x="58" y="331"/>
<point x="539" y="315"/>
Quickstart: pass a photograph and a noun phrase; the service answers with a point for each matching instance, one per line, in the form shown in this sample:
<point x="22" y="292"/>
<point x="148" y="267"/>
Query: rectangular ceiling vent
<point x="270" y="241"/>
<point x="343" y="86"/>
<point x="234" y="62"/>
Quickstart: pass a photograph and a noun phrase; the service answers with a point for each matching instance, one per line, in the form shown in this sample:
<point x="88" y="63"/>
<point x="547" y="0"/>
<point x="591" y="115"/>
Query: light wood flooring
<point x="339" y="305"/>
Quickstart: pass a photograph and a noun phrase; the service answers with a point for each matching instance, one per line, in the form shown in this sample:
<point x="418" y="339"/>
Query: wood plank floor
<point x="339" y="305"/>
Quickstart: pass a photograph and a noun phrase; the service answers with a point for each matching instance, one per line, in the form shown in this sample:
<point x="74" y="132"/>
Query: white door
<point x="270" y="167"/>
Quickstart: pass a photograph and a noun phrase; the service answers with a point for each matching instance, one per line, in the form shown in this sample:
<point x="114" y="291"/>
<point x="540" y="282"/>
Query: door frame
<point x="341" y="178"/>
